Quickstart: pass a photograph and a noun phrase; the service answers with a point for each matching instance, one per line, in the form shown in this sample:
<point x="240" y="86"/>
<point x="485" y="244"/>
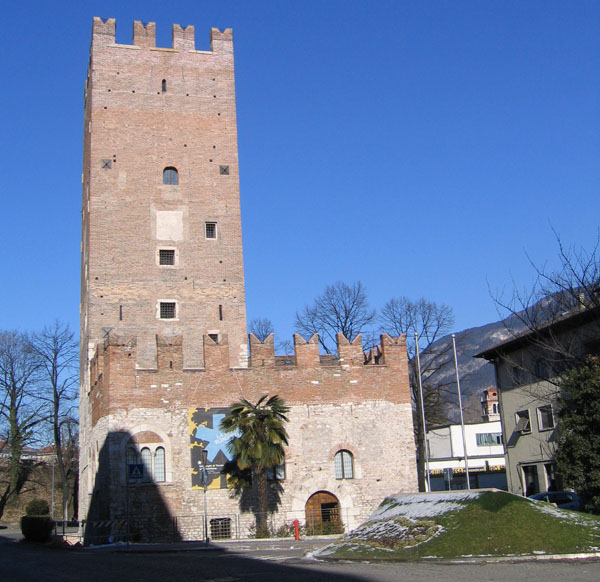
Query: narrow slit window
<point x="170" y="176"/>
<point x="211" y="230"/>
<point x="163" y="86"/>
<point x="220" y="313"/>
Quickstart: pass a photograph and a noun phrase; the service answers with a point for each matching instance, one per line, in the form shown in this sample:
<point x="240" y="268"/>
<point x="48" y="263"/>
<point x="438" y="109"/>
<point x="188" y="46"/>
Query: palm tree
<point x="259" y="436"/>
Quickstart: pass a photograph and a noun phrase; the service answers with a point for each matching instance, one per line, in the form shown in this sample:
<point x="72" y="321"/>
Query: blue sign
<point x="136" y="472"/>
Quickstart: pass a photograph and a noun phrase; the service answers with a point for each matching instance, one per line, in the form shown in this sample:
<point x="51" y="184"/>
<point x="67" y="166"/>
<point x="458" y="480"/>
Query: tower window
<point x="163" y="86"/>
<point x="170" y="176"/>
<point x="211" y="230"/>
<point x="224" y="170"/>
<point x="166" y="256"/>
<point x="168" y="310"/>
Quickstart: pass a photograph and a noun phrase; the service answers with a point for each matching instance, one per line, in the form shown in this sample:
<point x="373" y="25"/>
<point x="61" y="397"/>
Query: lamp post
<point x="204" y="482"/>
<point x="462" y="420"/>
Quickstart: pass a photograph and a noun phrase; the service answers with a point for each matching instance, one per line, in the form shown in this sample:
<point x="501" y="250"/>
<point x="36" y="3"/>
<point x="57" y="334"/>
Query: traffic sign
<point x="136" y="472"/>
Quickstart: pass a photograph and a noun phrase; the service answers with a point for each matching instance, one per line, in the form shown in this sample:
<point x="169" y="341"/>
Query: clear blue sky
<point x="421" y="147"/>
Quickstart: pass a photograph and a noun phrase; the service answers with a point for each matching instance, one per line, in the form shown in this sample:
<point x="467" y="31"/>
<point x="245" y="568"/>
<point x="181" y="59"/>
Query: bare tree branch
<point x="57" y="353"/>
<point x="261" y="327"/>
<point x="341" y="308"/>
<point x="430" y="322"/>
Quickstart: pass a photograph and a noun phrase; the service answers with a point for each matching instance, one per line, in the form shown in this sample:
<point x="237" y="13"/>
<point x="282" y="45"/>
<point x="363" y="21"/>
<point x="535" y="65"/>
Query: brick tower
<point x="164" y="347"/>
<point x="162" y="242"/>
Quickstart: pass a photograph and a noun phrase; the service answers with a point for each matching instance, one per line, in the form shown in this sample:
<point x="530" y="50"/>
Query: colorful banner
<point x="205" y="435"/>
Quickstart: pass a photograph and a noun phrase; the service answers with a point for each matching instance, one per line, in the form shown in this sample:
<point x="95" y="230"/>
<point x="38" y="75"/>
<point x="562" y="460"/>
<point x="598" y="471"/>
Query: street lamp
<point x="203" y="473"/>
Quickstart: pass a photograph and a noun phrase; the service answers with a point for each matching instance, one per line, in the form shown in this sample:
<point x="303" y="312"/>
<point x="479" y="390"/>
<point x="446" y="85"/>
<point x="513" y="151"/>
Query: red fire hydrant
<point x="297" y="529"/>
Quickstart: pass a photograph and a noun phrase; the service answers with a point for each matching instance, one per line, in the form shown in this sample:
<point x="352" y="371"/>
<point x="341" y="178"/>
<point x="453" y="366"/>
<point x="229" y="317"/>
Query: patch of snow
<point x="420" y="505"/>
<point x="550" y="509"/>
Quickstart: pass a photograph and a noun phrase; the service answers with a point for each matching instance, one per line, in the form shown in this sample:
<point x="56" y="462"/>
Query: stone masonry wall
<point x="364" y="409"/>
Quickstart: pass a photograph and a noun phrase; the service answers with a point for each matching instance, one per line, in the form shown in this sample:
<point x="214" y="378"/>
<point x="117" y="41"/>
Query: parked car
<point x="562" y="499"/>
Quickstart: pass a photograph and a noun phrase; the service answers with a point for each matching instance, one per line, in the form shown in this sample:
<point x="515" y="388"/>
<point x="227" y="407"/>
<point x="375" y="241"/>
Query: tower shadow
<point x="126" y="503"/>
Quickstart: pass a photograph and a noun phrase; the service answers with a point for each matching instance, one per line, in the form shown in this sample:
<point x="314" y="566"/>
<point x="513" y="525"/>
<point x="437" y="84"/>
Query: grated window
<point x="211" y="230"/>
<point x="167" y="310"/>
<point x="166" y="257"/>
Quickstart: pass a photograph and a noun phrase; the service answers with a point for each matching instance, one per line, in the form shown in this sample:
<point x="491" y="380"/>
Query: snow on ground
<point x="422" y="505"/>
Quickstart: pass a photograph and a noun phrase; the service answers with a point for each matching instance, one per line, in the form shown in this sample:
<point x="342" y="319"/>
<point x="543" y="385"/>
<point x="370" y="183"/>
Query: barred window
<point x="168" y="310"/>
<point x="170" y="176"/>
<point x="211" y="230"/>
<point x="342" y="463"/>
<point x="166" y="257"/>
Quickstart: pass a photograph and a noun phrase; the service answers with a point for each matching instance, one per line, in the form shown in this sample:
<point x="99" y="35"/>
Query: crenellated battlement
<point x="304" y="377"/>
<point x="390" y="352"/>
<point x="144" y="35"/>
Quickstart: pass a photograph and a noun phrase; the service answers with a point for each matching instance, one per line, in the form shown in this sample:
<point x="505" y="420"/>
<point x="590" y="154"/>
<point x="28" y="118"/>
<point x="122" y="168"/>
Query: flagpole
<point x="462" y="420"/>
<point x="426" y="451"/>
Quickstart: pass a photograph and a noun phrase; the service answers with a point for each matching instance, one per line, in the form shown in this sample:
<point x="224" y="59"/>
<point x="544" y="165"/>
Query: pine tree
<point x="578" y="455"/>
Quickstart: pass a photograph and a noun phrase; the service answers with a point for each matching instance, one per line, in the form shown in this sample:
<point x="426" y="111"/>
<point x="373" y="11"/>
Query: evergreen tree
<point x="578" y="455"/>
<point x="257" y="445"/>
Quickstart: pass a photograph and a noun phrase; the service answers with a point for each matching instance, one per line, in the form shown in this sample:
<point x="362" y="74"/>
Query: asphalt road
<point x="254" y="561"/>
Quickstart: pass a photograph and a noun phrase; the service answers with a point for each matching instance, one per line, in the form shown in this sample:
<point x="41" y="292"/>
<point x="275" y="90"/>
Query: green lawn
<point x="492" y="523"/>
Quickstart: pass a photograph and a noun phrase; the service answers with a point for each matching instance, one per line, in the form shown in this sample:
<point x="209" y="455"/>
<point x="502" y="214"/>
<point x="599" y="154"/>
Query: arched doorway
<point x="323" y="515"/>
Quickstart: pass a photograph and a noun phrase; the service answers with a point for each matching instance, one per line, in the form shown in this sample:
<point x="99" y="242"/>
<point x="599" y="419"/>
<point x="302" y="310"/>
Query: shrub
<point x="36" y="528"/>
<point x="37" y="507"/>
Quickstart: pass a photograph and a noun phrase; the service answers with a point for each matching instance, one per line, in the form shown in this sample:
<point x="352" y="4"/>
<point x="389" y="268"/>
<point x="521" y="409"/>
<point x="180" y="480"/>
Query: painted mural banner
<point x="205" y="435"/>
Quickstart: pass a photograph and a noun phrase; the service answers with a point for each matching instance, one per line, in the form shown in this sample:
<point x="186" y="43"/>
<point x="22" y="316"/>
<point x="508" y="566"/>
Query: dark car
<point x="562" y="499"/>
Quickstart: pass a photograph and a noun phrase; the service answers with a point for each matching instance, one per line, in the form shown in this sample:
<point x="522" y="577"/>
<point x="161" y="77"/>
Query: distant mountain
<point x="476" y="374"/>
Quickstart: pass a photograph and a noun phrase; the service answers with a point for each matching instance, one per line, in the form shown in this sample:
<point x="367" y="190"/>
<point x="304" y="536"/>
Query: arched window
<point x="147" y="461"/>
<point x="132" y="456"/>
<point x="342" y="463"/>
<point x="164" y="85"/>
<point x="159" y="464"/>
<point x="170" y="176"/>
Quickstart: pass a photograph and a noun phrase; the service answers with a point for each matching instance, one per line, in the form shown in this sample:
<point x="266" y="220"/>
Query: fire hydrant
<point x="297" y="529"/>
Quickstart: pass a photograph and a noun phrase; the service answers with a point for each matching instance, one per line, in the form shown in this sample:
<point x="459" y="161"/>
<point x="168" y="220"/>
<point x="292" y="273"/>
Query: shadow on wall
<point x="244" y="488"/>
<point x="126" y="503"/>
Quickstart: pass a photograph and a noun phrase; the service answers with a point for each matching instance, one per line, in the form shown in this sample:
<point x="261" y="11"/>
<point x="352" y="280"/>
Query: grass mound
<point x="459" y="524"/>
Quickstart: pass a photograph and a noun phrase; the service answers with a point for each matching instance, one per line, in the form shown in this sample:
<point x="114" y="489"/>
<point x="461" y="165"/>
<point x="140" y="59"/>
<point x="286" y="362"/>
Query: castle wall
<point x="364" y="409"/>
